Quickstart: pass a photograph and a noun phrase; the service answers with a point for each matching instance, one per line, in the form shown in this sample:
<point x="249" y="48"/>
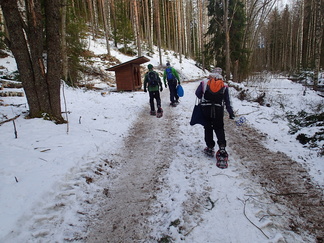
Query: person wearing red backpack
<point x="172" y="76"/>
<point x="213" y="95"/>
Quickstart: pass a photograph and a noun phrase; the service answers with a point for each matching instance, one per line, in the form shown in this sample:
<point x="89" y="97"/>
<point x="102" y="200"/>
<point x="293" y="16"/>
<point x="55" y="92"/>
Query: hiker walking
<point x="213" y="94"/>
<point x="172" y="76"/>
<point x="153" y="84"/>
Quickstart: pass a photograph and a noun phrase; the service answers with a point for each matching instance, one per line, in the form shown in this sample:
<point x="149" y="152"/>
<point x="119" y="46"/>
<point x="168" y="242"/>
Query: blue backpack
<point x="169" y="73"/>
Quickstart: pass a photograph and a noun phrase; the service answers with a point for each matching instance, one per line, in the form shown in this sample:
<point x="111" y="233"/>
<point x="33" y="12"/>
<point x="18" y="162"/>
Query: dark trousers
<point x="173" y="90"/>
<point x="155" y="95"/>
<point x="215" y="123"/>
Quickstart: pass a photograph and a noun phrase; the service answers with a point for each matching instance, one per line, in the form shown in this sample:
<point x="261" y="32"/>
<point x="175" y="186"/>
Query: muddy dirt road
<point x="287" y="182"/>
<point x="147" y="155"/>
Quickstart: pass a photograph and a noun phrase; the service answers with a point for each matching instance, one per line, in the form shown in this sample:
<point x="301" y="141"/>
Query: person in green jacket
<point x="153" y="84"/>
<point x="172" y="76"/>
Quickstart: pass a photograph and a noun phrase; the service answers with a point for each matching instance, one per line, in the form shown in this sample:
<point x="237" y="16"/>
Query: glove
<point x="166" y="86"/>
<point x="178" y="82"/>
<point x="232" y="116"/>
<point x="161" y="89"/>
<point x="145" y="90"/>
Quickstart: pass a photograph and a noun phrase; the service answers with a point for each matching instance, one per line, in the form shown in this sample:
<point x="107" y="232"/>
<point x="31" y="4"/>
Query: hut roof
<point x="139" y="60"/>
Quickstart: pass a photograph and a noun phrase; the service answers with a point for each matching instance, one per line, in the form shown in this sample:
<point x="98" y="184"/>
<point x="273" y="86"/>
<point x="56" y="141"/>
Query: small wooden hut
<point x="128" y="75"/>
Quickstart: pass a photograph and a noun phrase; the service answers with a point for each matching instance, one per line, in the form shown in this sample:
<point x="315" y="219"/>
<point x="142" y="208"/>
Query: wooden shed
<point x="128" y="75"/>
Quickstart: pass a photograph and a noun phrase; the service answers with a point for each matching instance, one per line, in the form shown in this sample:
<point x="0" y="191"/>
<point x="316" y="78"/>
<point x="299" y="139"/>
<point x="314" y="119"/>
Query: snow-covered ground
<point x="44" y="171"/>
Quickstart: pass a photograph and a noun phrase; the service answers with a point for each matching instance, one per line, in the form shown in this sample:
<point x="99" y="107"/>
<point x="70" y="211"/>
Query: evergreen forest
<point x="243" y="37"/>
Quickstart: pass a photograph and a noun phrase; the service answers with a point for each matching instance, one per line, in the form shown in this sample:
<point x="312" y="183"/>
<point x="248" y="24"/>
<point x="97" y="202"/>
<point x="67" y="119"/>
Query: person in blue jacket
<point x="171" y="75"/>
<point x="214" y="112"/>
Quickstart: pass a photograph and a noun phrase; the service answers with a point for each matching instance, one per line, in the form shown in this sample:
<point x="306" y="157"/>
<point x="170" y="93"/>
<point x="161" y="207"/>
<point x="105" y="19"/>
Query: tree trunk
<point x="136" y="29"/>
<point x="301" y="30"/>
<point x="152" y="24"/>
<point x="92" y="20"/>
<point x="227" y="41"/>
<point x="41" y="85"/>
<point x="54" y="56"/>
<point x="105" y="12"/>
<point x="200" y="46"/>
<point x="185" y="28"/>
<point x="318" y="39"/>
<point x="158" y="28"/>
<point x="65" y="64"/>
<point x="179" y="11"/>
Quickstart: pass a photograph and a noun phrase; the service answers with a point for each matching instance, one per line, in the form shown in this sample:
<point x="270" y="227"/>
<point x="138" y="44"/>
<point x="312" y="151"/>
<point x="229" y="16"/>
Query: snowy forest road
<point x="286" y="181"/>
<point x="147" y="155"/>
<point x="126" y="212"/>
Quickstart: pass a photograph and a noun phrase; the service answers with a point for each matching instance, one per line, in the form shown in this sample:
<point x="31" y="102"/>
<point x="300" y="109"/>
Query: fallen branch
<point x="271" y="215"/>
<point x="101" y="130"/>
<point x="285" y="194"/>
<point x="244" y="203"/>
<point x="212" y="203"/>
<point x="245" y="114"/>
<point x="190" y="230"/>
<point x="16" y="133"/>
<point x="193" y="228"/>
<point x="16" y="105"/>
<point x="257" y="195"/>
<point x="11" y="119"/>
<point x="45" y="150"/>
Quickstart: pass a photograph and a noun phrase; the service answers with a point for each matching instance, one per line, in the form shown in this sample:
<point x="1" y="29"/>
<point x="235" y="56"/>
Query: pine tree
<point x="216" y="47"/>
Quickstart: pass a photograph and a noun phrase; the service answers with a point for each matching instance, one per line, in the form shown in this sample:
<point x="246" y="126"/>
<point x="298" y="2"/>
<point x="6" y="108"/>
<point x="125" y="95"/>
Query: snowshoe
<point x="152" y="113"/>
<point x="221" y="159"/>
<point x="159" y="113"/>
<point x="209" y="152"/>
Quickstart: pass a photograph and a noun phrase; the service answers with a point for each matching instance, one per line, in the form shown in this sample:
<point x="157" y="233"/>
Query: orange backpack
<point x="215" y="91"/>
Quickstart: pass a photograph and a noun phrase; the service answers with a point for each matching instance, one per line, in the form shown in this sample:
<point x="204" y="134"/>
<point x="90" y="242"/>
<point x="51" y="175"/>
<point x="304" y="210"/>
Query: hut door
<point x="137" y="77"/>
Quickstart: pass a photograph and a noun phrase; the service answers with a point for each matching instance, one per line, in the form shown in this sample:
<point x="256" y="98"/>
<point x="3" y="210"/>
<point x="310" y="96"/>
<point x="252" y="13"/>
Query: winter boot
<point x="209" y="151"/>
<point x="159" y="113"/>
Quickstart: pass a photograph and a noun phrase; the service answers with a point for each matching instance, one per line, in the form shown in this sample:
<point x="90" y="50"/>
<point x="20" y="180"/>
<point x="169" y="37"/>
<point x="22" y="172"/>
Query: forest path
<point x="153" y="145"/>
<point x="147" y="155"/>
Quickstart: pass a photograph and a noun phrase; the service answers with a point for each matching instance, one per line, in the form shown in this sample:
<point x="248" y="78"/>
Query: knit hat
<point x="168" y="63"/>
<point x="216" y="76"/>
<point x="217" y="70"/>
<point x="150" y="66"/>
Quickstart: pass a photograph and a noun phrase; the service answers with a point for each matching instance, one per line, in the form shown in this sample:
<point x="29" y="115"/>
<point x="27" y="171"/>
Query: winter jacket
<point x="174" y="72"/>
<point x="152" y="88"/>
<point x="200" y="95"/>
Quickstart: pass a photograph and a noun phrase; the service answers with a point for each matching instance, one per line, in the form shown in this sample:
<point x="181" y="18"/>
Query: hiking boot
<point x="173" y="104"/>
<point x="152" y="113"/>
<point x="209" y="151"/>
<point x="159" y="113"/>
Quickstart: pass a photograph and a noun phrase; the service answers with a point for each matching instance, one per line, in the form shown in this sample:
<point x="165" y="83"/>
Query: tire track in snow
<point x="285" y="180"/>
<point x="147" y="155"/>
